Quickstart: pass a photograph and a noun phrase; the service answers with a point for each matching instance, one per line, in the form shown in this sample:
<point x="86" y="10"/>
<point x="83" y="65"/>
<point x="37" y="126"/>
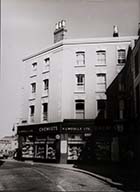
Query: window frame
<point x="99" y="84"/>
<point x="101" y="57"/>
<point x="80" y="61"/>
<point x="33" y="88"/>
<point x="121" y="56"/>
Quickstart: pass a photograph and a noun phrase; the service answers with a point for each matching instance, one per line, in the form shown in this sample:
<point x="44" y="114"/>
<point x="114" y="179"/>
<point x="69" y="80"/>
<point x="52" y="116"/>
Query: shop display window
<point x="50" y="151"/>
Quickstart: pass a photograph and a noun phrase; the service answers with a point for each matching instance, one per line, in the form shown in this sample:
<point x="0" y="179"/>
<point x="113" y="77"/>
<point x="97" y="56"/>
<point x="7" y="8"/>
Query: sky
<point x="27" y="27"/>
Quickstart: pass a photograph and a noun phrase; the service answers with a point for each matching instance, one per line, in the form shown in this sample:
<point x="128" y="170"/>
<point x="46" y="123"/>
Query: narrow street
<point x="21" y="176"/>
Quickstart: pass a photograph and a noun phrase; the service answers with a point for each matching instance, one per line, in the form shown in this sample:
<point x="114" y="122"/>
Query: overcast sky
<point x="27" y="27"/>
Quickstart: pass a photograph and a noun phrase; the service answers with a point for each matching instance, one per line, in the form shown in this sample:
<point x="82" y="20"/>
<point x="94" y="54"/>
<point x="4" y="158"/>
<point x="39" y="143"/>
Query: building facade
<point x="123" y="106"/>
<point x="8" y="146"/>
<point x="67" y="83"/>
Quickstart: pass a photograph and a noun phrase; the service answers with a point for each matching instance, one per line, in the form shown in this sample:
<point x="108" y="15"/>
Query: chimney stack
<point x="60" y="30"/>
<point x="115" y="31"/>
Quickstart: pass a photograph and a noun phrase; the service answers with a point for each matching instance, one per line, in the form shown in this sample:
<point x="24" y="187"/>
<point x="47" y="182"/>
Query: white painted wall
<point x="62" y="94"/>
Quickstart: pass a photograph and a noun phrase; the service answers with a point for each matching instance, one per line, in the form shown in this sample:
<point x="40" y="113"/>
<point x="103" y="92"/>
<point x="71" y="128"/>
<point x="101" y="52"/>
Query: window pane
<point x="121" y="56"/>
<point x="80" y="58"/>
<point x="101" y="57"/>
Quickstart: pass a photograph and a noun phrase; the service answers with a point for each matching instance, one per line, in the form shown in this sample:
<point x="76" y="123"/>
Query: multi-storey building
<point x="64" y="91"/>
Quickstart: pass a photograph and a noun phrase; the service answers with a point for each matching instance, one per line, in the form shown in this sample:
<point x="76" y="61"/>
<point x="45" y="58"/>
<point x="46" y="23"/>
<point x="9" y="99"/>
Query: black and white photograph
<point x="70" y="96"/>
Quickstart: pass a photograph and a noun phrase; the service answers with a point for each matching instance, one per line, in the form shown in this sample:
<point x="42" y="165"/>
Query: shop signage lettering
<point x="76" y="129"/>
<point x="45" y="129"/>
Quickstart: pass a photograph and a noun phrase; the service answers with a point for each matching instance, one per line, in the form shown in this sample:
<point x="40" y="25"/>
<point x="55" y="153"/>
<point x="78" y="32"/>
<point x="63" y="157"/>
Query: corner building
<point x="64" y="91"/>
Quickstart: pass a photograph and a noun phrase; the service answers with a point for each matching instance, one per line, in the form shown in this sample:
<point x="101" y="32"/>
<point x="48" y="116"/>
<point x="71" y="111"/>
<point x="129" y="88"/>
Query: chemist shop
<point x="54" y="142"/>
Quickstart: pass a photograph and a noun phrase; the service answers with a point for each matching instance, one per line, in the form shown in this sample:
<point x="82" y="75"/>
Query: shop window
<point x="46" y="84"/>
<point x="34" y="66"/>
<point x="80" y="58"/>
<point x="80" y="82"/>
<point x="136" y="65"/>
<point x="121" y="56"/>
<point x="33" y="87"/>
<point x="101" y="57"/>
<point x="101" y="82"/>
<point x="80" y="109"/>
<point x="45" y="111"/>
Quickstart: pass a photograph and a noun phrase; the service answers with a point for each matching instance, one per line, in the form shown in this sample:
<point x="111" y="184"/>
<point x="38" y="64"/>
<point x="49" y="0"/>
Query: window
<point x="80" y="108"/>
<point x="45" y="111"/>
<point x="80" y="58"/>
<point x="32" y="112"/>
<point x="34" y="66"/>
<point x="46" y="84"/>
<point x="33" y="87"/>
<point x="80" y="81"/>
<point x="46" y="66"/>
<point x="121" y="56"/>
<point x="101" y="82"/>
<point x="101" y="57"/>
<point x="136" y="65"/>
<point x="47" y="61"/>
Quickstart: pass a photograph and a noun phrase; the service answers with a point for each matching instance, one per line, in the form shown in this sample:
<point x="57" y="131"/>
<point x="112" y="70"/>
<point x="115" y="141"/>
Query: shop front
<point x="59" y="142"/>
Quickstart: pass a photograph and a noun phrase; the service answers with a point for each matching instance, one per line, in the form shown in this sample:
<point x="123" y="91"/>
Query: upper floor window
<point x="47" y="61"/>
<point x="121" y="56"/>
<point x="32" y="110"/>
<point x="31" y="113"/>
<point x="101" y="57"/>
<point x="33" y="87"/>
<point x="101" y="82"/>
<point x="34" y="66"/>
<point x="80" y="58"/>
<point x="80" y="108"/>
<point x="80" y="81"/>
<point x="45" y="111"/>
<point x="46" y="84"/>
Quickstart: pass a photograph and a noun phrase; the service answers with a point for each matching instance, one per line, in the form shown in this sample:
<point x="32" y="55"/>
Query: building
<point x="8" y="146"/>
<point x="123" y="105"/>
<point x="64" y="91"/>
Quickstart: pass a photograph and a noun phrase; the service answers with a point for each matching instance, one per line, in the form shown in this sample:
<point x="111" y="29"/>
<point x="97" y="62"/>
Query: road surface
<point x="33" y="177"/>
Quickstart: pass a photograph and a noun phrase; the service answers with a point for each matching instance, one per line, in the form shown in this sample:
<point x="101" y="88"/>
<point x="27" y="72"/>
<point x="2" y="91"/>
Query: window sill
<point x="45" y="71"/>
<point x="33" y="75"/>
<point x="79" y="92"/>
<point x="100" y="65"/>
<point x="79" y="66"/>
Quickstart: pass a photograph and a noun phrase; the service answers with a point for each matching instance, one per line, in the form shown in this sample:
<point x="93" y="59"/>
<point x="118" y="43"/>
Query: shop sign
<point x="84" y="129"/>
<point x="46" y="129"/>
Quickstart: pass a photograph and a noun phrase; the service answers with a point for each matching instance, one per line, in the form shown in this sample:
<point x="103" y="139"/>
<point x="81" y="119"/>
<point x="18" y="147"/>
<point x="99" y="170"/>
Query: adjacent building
<point x="64" y="91"/>
<point x="8" y="146"/>
<point x="123" y="106"/>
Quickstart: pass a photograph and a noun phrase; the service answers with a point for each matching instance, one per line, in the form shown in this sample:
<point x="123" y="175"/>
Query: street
<point x="22" y="176"/>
